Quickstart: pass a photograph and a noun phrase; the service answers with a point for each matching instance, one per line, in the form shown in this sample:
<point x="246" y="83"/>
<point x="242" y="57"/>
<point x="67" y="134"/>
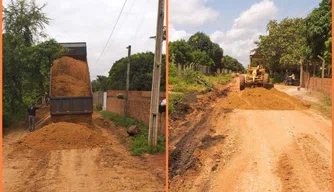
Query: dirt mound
<point x="70" y="78"/>
<point x="263" y="99"/>
<point x="63" y="135"/>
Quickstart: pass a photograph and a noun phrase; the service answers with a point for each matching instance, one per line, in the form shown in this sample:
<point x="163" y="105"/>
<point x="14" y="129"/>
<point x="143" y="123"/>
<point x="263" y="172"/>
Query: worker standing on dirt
<point x="32" y="117"/>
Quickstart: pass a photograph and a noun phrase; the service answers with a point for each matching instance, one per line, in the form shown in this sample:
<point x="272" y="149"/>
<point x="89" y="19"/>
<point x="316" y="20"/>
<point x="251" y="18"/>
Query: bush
<point x="173" y="80"/>
<point x="120" y="96"/>
<point x="98" y="107"/>
<point x="191" y="76"/>
<point x="172" y="99"/>
<point x="172" y="70"/>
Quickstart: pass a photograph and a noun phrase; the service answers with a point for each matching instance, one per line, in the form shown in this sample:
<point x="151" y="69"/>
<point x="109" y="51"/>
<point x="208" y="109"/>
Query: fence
<point x="138" y="106"/>
<point x="323" y="85"/>
<point x="207" y="70"/>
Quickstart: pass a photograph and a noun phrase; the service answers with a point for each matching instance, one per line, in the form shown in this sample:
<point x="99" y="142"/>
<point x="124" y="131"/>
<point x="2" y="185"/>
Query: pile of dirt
<point x="263" y="99"/>
<point x="70" y="78"/>
<point x="62" y="135"/>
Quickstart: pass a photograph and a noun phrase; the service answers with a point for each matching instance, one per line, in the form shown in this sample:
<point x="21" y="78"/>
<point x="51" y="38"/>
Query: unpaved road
<point x="104" y="168"/>
<point x="254" y="140"/>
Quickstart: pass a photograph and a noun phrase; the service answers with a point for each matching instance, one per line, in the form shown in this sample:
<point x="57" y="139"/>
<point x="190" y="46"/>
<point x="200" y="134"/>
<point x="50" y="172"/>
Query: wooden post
<point x="127" y="82"/>
<point x="322" y="67"/>
<point x="154" y="110"/>
<point x="301" y="74"/>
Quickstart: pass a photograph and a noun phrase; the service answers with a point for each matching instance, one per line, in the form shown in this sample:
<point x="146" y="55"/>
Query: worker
<point x="292" y="76"/>
<point x="31" y="117"/>
<point x="162" y="106"/>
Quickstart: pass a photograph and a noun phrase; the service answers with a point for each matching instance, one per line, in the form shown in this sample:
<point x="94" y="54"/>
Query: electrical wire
<point x="112" y="32"/>
<point x="311" y="8"/>
<point x="126" y="16"/>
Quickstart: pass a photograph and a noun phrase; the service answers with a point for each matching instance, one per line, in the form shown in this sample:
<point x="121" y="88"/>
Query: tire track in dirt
<point x="305" y="166"/>
<point x="274" y="148"/>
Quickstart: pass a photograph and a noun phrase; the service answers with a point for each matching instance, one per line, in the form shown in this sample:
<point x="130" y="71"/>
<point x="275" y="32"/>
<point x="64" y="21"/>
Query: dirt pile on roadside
<point x="263" y="99"/>
<point x="70" y="78"/>
<point x="62" y="135"/>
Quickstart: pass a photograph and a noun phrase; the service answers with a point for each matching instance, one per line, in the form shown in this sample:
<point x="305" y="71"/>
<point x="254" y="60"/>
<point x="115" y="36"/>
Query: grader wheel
<point x="266" y="81"/>
<point x="242" y="82"/>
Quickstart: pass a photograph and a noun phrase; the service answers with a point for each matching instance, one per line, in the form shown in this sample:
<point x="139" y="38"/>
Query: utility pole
<point x="127" y="82"/>
<point x="154" y="113"/>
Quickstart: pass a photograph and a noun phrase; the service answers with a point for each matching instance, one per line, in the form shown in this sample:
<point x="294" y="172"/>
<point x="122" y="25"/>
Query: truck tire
<point x="266" y="81"/>
<point x="242" y="82"/>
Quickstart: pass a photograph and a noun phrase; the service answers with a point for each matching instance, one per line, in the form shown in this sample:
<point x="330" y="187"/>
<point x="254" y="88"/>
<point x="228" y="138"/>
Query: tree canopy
<point x="180" y="52"/>
<point x="141" y="71"/>
<point x="200" y="50"/>
<point x="285" y="47"/>
<point x="26" y="61"/>
<point x="295" y="41"/>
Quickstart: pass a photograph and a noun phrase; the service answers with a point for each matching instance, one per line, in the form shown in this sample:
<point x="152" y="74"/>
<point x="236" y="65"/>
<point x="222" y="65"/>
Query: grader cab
<point x="256" y="74"/>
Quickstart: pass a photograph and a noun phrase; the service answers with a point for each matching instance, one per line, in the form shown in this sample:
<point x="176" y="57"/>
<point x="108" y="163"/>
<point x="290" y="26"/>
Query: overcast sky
<point x="234" y="26"/>
<point x="92" y="22"/>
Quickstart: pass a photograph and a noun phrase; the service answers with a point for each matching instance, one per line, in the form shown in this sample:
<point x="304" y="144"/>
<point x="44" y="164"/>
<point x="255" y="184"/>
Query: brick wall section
<point x="318" y="84"/>
<point x="323" y="85"/>
<point x="139" y="106"/>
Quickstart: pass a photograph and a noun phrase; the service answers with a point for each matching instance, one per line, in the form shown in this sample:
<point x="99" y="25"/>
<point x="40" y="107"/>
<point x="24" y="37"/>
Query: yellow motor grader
<point x="256" y="74"/>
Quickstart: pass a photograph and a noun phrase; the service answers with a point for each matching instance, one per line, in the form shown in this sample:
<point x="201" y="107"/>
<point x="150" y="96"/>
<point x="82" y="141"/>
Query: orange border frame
<point x="167" y="13"/>
<point x="332" y="100"/>
<point x="1" y="100"/>
<point x="167" y="94"/>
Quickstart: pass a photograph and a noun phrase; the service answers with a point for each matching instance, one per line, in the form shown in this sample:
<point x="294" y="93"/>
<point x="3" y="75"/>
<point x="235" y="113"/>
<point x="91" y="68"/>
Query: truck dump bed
<point x="62" y="105"/>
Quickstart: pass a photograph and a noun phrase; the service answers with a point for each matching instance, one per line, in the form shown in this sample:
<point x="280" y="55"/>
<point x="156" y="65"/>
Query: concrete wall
<point x="139" y="106"/>
<point x="98" y="98"/>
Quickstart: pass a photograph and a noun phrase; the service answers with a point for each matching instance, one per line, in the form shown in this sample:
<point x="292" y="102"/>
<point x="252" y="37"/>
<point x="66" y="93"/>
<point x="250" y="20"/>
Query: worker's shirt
<point x="32" y="111"/>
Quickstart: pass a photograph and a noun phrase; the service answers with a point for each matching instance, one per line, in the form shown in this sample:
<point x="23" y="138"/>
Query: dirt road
<point x="254" y="140"/>
<point x="107" y="167"/>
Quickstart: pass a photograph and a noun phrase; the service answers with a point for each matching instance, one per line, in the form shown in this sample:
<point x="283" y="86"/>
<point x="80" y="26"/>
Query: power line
<point x="313" y="6"/>
<point x="126" y="16"/>
<point x="111" y="32"/>
<point x="140" y="24"/>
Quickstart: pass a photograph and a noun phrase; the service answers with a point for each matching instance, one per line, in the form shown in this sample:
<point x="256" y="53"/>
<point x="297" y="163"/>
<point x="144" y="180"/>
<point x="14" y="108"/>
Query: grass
<point x="180" y="84"/>
<point x="218" y="79"/>
<point x="139" y="144"/>
<point x="172" y="99"/>
<point x="324" y="110"/>
<point x="325" y="103"/>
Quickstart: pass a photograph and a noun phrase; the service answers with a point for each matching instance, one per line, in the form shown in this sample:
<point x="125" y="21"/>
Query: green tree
<point x="231" y="63"/>
<point x="26" y="63"/>
<point x="101" y="83"/>
<point x="140" y="73"/>
<point x="180" y="52"/>
<point x="202" y="58"/>
<point x="25" y="19"/>
<point x="285" y="48"/>
<point x="200" y="41"/>
<point x="216" y="54"/>
<point x="319" y="29"/>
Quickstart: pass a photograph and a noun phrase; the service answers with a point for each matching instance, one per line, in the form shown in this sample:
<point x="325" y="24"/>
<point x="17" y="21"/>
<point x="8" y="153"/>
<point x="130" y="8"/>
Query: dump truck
<point x="256" y="74"/>
<point x="63" y="108"/>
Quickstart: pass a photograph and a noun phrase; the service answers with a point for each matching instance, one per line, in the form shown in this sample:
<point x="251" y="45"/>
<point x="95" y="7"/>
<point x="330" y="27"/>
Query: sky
<point x="92" y="22"/>
<point x="234" y="26"/>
